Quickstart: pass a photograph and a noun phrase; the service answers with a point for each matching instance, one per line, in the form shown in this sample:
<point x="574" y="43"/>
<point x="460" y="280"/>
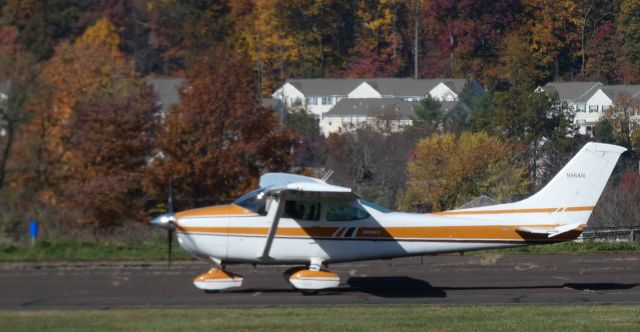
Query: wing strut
<point x="271" y="234"/>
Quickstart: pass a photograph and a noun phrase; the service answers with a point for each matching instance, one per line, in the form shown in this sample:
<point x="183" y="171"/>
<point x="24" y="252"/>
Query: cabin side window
<point x="345" y="212"/>
<point x="302" y="210"/>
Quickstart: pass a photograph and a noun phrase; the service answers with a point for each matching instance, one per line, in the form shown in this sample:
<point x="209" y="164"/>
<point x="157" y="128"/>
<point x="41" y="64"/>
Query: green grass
<point x="340" y="318"/>
<point x="74" y="250"/>
<point x="80" y="250"/>
<point x="573" y="248"/>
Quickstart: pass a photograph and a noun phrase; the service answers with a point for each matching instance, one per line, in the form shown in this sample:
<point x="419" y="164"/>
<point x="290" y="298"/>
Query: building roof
<point x="396" y="108"/>
<point x="167" y="90"/>
<point x="401" y="87"/>
<point x="612" y="91"/>
<point x="571" y="91"/>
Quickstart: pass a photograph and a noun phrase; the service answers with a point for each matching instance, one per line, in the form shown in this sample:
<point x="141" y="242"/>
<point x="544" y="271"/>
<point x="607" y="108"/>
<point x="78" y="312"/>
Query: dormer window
<point x="326" y="100"/>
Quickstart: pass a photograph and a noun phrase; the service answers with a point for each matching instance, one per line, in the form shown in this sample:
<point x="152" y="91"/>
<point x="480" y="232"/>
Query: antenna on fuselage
<point x="327" y="176"/>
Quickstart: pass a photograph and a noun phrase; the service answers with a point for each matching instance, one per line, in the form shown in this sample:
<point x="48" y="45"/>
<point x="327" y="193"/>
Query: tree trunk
<point x="6" y="151"/>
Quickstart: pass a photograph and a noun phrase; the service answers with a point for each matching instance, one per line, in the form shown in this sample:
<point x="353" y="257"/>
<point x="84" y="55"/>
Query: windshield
<point x="374" y="206"/>
<point x="255" y="201"/>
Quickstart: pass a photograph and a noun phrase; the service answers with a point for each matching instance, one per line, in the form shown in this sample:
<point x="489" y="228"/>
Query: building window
<point x="326" y="100"/>
<point x="361" y="119"/>
<point x="593" y="108"/>
<point x="405" y="123"/>
<point x="581" y="108"/>
<point x="346" y="120"/>
<point x="312" y="101"/>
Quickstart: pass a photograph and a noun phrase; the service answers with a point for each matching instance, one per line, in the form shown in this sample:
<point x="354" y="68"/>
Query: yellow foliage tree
<point x="447" y="171"/>
<point x="553" y="29"/>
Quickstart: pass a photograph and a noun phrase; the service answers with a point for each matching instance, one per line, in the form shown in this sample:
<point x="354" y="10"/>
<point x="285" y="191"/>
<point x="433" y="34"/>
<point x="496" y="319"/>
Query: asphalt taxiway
<point x="450" y="279"/>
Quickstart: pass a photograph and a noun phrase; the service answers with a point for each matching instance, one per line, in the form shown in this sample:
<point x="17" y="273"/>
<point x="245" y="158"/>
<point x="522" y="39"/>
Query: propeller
<point x="167" y="221"/>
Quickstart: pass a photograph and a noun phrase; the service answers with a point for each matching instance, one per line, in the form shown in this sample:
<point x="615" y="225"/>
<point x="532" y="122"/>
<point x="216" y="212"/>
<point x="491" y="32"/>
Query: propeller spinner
<point x="167" y="221"/>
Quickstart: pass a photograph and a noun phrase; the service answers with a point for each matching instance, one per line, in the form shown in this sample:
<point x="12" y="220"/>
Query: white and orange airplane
<point x="303" y="221"/>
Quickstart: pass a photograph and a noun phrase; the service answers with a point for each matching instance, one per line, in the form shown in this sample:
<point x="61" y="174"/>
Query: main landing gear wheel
<point x="310" y="282"/>
<point x="216" y="280"/>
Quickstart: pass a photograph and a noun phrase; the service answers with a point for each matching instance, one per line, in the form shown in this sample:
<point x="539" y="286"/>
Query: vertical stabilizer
<point x="581" y="181"/>
<point x="569" y="198"/>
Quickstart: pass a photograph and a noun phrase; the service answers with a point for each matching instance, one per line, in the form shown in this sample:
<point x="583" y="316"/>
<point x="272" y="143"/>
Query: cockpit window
<point x="345" y="212"/>
<point x="302" y="210"/>
<point x="374" y="206"/>
<point x="255" y="201"/>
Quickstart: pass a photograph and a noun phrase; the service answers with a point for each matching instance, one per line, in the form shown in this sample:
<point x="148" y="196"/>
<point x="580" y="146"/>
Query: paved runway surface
<point x="550" y="279"/>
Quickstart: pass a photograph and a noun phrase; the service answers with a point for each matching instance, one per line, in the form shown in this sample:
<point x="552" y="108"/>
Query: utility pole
<point x="415" y="39"/>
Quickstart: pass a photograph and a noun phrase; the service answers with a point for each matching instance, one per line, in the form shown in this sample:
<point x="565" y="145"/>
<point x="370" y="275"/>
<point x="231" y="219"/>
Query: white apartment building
<point x="589" y="100"/>
<point x="391" y="114"/>
<point x="321" y="96"/>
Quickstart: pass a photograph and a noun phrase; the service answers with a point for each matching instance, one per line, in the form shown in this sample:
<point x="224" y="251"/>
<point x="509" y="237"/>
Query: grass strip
<point x="74" y="250"/>
<point x="340" y="318"/>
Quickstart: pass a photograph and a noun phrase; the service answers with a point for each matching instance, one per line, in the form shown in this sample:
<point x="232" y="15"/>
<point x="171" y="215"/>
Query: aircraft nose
<point x="165" y="220"/>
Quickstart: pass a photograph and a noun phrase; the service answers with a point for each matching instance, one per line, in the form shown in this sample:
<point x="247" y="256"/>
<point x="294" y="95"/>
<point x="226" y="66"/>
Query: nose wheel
<point x="217" y="279"/>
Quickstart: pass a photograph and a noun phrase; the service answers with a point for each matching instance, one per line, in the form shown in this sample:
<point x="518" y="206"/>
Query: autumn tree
<point x="553" y="30"/>
<point x="217" y="141"/>
<point x="42" y="23"/>
<point x="465" y="35"/>
<point x="111" y="138"/>
<point x="602" y="64"/>
<point x="446" y="171"/>
<point x="17" y="80"/>
<point x="137" y="24"/>
<point x="629" y="34"/>
<point x="371" y="162"/>
<point x="378" y="51"/>
<point x="302" y="38"/>
<point x="618" y="126"/>
<point x="185" y="29"/>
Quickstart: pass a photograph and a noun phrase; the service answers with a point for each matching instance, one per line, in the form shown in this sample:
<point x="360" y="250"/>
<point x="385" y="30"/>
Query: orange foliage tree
<point x="217" y="141"/>
<point x="446" y="171"/>
<point x="88" y="137"/>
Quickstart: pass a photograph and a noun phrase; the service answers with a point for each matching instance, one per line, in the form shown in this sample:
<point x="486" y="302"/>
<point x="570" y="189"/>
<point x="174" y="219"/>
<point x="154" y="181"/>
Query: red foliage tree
<point x="218" y="140"/>
<point x="110" y="140"/>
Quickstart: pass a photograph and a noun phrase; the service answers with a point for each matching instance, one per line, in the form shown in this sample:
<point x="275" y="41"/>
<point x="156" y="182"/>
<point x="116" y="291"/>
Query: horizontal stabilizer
<point x="551" y="231"/>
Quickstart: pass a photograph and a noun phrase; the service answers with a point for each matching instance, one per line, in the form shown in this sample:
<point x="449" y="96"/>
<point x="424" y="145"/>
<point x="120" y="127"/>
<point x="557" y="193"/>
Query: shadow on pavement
<point x="406" y="287"/>
<point x="600" y="286"/>
<point x="393" y="287"/>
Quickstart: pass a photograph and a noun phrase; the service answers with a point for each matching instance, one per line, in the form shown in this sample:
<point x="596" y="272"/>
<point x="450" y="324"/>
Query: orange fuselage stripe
<point x="541" y="210"/>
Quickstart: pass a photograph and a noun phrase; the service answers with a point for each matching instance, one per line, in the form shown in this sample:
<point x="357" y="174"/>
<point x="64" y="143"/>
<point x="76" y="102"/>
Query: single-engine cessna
<point x="303" y="221"/>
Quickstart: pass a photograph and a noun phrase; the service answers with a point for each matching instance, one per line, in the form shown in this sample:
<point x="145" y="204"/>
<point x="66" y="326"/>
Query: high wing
<point x="304" y="186"/>
<point x="283" y="186"/>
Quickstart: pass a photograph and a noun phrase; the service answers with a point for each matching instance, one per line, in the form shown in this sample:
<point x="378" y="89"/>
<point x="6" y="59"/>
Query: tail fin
<point x="581" y="181"/>
<point x="568" y="198"/>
